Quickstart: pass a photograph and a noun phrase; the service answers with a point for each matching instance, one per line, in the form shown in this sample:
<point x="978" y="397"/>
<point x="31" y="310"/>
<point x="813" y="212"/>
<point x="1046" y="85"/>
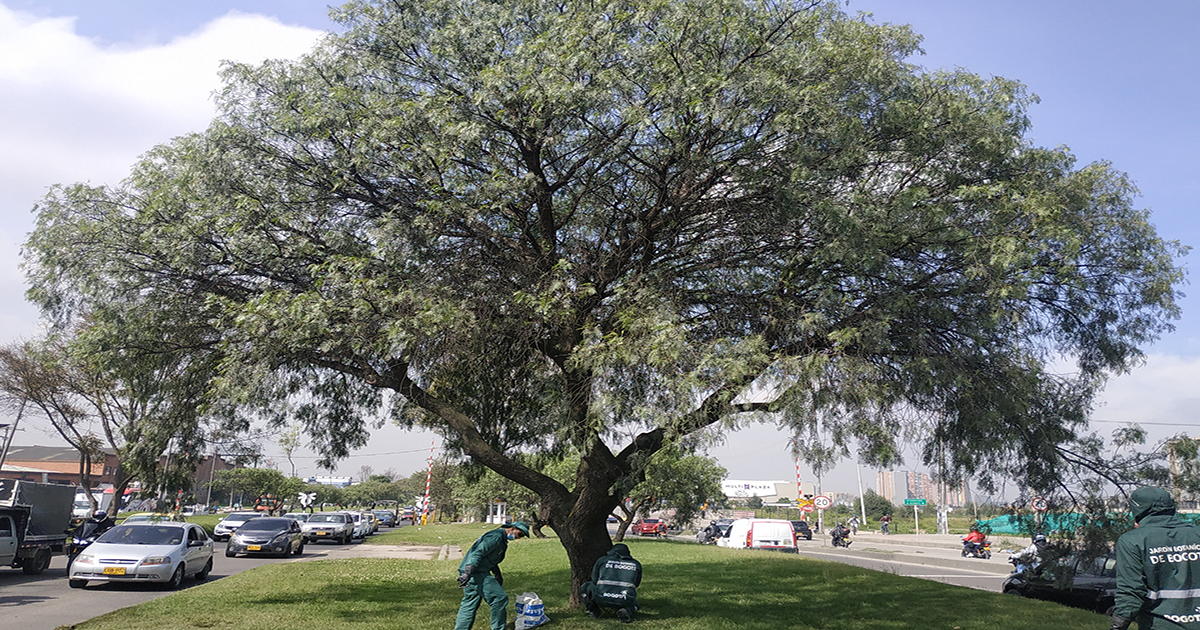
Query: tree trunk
<point x="585" y="539"/>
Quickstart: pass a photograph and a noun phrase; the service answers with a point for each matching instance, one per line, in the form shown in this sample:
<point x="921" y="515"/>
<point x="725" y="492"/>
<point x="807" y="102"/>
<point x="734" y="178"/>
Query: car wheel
<point x="176" y="579"/>
<point x="300" y="548"/>
<point x="808" y="537"/>
<point x="229" y="553"/>
<point x="203" y="574"/>
<point x="77" y="583"/>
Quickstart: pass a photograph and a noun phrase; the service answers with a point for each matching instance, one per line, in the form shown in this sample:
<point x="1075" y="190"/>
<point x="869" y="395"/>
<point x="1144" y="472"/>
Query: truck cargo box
<point x="50" y="505"/>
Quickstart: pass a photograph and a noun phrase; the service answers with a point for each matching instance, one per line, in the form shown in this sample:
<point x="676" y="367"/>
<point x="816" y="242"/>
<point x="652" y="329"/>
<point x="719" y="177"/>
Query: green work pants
<point x="482" y="587"/>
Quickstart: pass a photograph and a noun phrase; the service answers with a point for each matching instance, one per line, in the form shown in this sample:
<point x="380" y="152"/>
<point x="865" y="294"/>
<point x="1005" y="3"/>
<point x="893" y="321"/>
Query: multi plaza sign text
<point x="733" y="488"/>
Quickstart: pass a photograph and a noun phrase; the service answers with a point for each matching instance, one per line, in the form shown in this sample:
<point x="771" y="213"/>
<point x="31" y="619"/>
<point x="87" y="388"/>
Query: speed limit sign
<point x="822" y="502"/>
<point x="1040" y="504"/>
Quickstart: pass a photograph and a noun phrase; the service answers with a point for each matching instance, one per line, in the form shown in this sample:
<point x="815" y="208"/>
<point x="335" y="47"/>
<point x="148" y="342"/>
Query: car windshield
<point x="651" y="520"/>
<point x="240" y="517"/>
<point x="266" y="524"/>
<point x="143" y="535"/>
<point x="327" y="518"/>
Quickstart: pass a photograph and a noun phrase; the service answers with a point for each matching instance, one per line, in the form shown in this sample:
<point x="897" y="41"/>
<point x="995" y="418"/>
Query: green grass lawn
<point x="686" y="587"/>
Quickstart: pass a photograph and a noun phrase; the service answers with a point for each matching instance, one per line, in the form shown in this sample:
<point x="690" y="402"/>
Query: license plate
<point x="114" y="570"/>
<point x="322" y="533"/>
<point x="253" y="547"/>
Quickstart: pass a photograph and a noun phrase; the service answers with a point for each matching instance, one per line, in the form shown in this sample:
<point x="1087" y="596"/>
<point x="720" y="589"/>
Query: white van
<point x="760" y="533"/>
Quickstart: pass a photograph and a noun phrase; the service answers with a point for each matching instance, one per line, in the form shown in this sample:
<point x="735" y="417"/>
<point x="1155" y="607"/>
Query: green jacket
<point x="616" y="576"/>
<point x="487" y="552"/>
<point x="1158" y="566"/>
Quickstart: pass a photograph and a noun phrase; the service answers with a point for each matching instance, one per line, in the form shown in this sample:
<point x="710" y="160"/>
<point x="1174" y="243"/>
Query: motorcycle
<point x="841" y="540"/>
<point x="81" y="538"/>
<point x="977" y="550"/>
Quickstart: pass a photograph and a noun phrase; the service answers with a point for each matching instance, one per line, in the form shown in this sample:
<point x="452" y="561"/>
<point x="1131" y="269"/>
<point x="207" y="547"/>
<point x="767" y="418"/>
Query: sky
<point x="89" y="86"/>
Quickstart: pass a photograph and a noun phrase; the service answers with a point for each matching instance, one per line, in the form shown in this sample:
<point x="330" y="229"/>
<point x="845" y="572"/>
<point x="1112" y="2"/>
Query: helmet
<point x="839" y="524"/>
<point x="100" y="515"/>
<point x="1039" y="538"/>
<point x="974" y="528"/>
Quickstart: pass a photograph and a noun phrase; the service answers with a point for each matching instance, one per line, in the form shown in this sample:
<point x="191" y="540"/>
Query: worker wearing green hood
<point x="615" y="578"/>
<point x="1158" y="567"/>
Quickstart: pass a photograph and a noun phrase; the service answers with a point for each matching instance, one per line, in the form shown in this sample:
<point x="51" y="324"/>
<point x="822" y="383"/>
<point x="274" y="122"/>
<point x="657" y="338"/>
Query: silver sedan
<point x="162" y="553"/>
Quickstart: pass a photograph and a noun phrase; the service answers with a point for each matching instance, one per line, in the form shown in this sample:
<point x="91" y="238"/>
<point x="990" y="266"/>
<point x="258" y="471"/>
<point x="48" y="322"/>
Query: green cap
<point x="521" y="526"/>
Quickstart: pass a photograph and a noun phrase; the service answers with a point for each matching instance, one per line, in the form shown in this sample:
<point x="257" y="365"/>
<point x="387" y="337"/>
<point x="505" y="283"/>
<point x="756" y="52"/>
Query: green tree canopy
<point x="533" y="225"/>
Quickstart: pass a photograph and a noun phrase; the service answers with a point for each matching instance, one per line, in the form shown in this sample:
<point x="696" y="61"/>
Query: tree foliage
<point x="536" y="226"/>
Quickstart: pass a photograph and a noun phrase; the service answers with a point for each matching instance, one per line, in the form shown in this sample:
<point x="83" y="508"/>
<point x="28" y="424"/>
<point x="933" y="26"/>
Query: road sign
<point x="822" y="502"/>
<point x="915" y="502"/>
<point x="806" y="508"/>
<point x="1040" y="504"/>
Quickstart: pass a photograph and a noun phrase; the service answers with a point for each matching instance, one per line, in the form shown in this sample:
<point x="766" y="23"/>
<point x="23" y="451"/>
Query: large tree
<point x="537" y="225"/>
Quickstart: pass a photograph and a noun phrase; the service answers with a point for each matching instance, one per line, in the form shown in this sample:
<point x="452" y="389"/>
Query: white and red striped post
<point x="428" y="480"/>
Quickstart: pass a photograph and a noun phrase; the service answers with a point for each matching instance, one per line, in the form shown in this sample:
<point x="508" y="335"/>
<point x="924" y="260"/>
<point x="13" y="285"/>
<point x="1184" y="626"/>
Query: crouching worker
<point x="480" y="578"/>
<point x="615" y="578"/>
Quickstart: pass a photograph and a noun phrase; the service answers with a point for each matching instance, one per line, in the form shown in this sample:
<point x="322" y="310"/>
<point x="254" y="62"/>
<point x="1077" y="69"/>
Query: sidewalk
<point x="944" y="550"/>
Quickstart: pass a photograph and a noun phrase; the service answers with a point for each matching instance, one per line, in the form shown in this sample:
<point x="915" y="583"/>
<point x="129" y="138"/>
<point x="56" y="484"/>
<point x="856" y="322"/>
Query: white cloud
<point x="76" y="111"/>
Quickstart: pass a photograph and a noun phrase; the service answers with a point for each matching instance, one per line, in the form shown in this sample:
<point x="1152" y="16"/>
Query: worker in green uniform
<point x="480" y="578"/>
<point x="1158" y="567"/>
<point x="615" y="578"/>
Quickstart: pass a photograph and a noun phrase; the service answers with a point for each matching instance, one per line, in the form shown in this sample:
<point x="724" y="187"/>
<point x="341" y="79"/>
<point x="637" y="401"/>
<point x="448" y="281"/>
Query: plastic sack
<point x="531" y="611"/>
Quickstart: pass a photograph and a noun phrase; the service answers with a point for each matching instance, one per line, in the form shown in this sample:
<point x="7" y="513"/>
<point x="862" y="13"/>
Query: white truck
<point x="83" y="509"/>
<point x="34" y="518"/>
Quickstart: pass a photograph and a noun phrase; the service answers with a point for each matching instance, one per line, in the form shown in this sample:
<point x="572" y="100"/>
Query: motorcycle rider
<point x="973" y="541"/>
<point x="884" y="522"/>
<point x="853" y="523"/>
<point x="1030" y="557"/>
<point x="101" y="522"/>
<point x="840" y="534"/>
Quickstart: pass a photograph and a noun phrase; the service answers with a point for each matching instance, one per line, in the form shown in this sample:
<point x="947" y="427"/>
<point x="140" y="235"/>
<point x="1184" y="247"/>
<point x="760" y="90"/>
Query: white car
<point x="362" y="526"/>
<point x="163" y="552"/>
<point x="231" y="522"/>
<point x="337" y="526"/>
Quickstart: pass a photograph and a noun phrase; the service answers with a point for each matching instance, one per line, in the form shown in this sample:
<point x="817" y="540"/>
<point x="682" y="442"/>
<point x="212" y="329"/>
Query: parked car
<point x="387" y="518"/>
<point x="231" y="522"/>
<point x="649" y="527"/>
<point x="299" y="517"/>
<point x="760" y="533"/>
<point x="372" y="521"/>
<point x="802" y="530"/>
<point x="328" y="526"/>
<point x="163" y="552"/>
<point x="269" y="536"/>
<point x="408" y="514"/>
<point x="1089" y="583"/>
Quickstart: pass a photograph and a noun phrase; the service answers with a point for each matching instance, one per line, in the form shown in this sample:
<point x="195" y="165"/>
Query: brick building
<point x="57" y="464"/>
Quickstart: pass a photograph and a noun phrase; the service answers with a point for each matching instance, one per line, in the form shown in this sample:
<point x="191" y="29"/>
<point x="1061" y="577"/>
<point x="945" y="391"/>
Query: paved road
<point x="45" y="602"/>
<point x="982" y="580"/>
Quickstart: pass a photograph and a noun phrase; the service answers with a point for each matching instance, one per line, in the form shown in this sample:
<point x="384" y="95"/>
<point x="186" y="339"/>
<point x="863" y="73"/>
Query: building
<point x="340" y="482"/>
<point x="57" y="464"/>
<point x="768" y="491"/>
<point x="1181" y="469"/>
<point x="896" y="486"/>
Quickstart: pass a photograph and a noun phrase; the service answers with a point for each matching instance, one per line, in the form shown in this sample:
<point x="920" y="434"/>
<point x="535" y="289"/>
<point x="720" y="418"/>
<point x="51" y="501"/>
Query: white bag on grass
<point x="531" y="611"/>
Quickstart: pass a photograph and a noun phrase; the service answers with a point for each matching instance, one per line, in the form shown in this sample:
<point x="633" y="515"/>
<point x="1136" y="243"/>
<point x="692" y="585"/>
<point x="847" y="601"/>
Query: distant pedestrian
<point x="615" y="578"/>
<point x="885" y="522"/>
<point x="480" y="578"/>
<point x="1158" y="567"/>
